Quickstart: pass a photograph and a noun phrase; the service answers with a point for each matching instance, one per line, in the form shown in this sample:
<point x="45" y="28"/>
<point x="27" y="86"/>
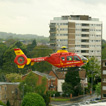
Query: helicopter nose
<point x="85" y="60"/>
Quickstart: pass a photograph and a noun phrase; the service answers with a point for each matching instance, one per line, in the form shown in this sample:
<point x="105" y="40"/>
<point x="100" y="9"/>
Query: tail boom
<point x="21" y="60"/>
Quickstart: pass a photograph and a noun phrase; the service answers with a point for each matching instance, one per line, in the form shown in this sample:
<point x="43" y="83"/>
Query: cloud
<point x="17" y="1"/>
<point x="33" y="16"/>
<point x="93" y="2"/>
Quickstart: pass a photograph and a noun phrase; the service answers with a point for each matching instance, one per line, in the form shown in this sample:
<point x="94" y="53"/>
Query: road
<point x="77" y="104"/>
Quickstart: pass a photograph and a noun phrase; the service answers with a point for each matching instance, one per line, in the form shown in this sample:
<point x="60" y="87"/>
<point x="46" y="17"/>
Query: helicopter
<point x="61" y="59"/>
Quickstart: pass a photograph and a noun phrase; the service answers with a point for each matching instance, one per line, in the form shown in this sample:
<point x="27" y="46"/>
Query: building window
<point x="104" y="95"/>
<point x="4" y="96"/>
<point x="104" y="72"/>
<point x="5" y="88"/>
<point x="104" y="64"/>
<point x="103" y="87"/>
<point x="104" y="80"/>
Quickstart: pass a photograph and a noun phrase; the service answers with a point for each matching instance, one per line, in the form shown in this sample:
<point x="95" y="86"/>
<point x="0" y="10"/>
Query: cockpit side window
<point x="63" y="58"/>
<point x="76" y="58"/>
<point x="69" y="58"/>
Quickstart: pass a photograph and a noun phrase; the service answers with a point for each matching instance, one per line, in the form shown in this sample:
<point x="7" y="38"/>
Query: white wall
<point x="59" y="83"/>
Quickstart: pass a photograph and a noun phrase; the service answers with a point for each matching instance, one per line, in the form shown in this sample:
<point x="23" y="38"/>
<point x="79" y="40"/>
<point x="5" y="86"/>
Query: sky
<point x="33" y="16"/>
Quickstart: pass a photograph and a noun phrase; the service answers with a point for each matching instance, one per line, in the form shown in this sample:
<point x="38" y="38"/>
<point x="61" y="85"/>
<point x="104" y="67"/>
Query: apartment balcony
<point x="85" y="54"/>
<point x="53" y="30"/>
<point x="85" y="24"/>
<point x="52" y="37"/>
<point x="52" y="25"/>
<point x="84" y="48"/>
<point x="53" y="42"/>
<point x="85" y="30"/>
<point x="85" y="38"/>
<point x="85" y="41"/>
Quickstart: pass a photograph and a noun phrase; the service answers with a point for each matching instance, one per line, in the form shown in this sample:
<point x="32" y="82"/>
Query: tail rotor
<point x="20" y="58"/>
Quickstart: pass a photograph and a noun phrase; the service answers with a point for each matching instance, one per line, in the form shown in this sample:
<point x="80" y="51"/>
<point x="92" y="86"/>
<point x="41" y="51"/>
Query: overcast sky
<point x="33" y="16"/>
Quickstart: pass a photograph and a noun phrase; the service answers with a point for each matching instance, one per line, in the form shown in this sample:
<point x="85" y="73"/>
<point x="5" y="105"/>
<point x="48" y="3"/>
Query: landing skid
<point x="69" y="69"/>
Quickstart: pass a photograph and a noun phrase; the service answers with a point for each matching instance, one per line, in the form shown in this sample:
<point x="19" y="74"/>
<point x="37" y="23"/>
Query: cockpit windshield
<point x="84" y="59"/>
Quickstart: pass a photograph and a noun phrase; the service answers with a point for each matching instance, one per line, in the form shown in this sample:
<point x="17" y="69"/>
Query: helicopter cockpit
<point x="84" y="59"/>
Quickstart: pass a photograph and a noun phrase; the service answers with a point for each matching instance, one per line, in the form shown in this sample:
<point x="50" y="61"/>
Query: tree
<point x="98" y="89"/>
<point x="2" y="77"/>
<point x="10" y="42"/>
<point x="2" y="50"/>
<point x="67" y="88"/>
<point x="13" y="77"/>
<point x="93" y="71"/>
<point x="28" y="84"/>
<point x="33" y="99"/>
<point x="8" y="103"/>
<point x="8" y="59"/>
<point x="72" y="83"/>
<point x="30" y="47"/>
<point x="1" y="103"/>
<point x="40" y="89"/>
<point x="104" y="49"/>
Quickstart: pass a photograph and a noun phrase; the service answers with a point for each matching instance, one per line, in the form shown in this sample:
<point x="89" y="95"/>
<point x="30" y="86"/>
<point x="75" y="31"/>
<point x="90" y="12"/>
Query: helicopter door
<point x="62" y="61"/>
<point x="69" y="58"/>
<point x="76" y="60"/>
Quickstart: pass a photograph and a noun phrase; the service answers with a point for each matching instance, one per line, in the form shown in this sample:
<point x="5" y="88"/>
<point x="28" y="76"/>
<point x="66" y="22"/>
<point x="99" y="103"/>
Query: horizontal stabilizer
<point x="19" y="66"/>
<point x="32" y="63"/>
<point x="28" y="61"/>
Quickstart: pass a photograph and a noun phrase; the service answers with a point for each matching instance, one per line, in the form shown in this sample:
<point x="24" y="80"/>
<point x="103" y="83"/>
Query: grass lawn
<point x="60" y="99"/>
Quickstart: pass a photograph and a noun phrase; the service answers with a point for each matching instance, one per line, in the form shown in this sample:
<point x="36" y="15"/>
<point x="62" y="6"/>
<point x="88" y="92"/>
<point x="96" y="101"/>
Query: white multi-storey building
<point x="79" y="33"/>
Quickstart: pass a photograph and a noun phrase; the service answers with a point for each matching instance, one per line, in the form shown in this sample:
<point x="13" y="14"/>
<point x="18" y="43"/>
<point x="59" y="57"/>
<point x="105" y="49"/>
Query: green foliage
<point x="10" y="42"/>
<point x="2" y="50"/>
<point x="13" y="77"/>
<point x="1" y="103"/>
<point x="93" y="70"/>
<point x="98" y="89"/>
<point x="28" y="84"/>
<point x="72" y="83"/>
<point x="40" y="89"/>
<point x="8" y="103"/>
<point x="8" y="59"/>
<point x="33" y="99"/>
<point x="67" y="88"/>
<point x="46" y="98"/>
<point x="104" y="50"/>
<point x="26" y="37"/>
<point x="31" y="46"/>
<point x="51" y="93"/>
<point x="2" y="77"/>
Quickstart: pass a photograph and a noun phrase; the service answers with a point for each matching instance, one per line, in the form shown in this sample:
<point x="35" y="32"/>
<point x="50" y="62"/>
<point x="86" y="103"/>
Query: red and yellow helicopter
<point x="61" y="59"/>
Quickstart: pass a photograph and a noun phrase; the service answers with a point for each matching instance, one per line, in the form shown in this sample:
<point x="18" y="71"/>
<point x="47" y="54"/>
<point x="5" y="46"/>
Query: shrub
<point x="1" y="103"/>
<point x="8" y="103"/>
<point x="33" y="99"/>
<point x="46" y="98"/>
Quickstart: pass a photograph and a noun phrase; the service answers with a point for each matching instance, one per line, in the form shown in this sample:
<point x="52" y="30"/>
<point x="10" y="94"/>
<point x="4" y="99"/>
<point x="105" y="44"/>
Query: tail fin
<point x="21" y="58"/>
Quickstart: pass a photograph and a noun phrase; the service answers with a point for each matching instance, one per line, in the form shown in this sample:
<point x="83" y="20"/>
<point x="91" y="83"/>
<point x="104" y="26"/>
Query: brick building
<point x="60" y="79"/>
<point x="50" y="85"/>
<point x="103" y="80"/>
<point x="9" y="91"/>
